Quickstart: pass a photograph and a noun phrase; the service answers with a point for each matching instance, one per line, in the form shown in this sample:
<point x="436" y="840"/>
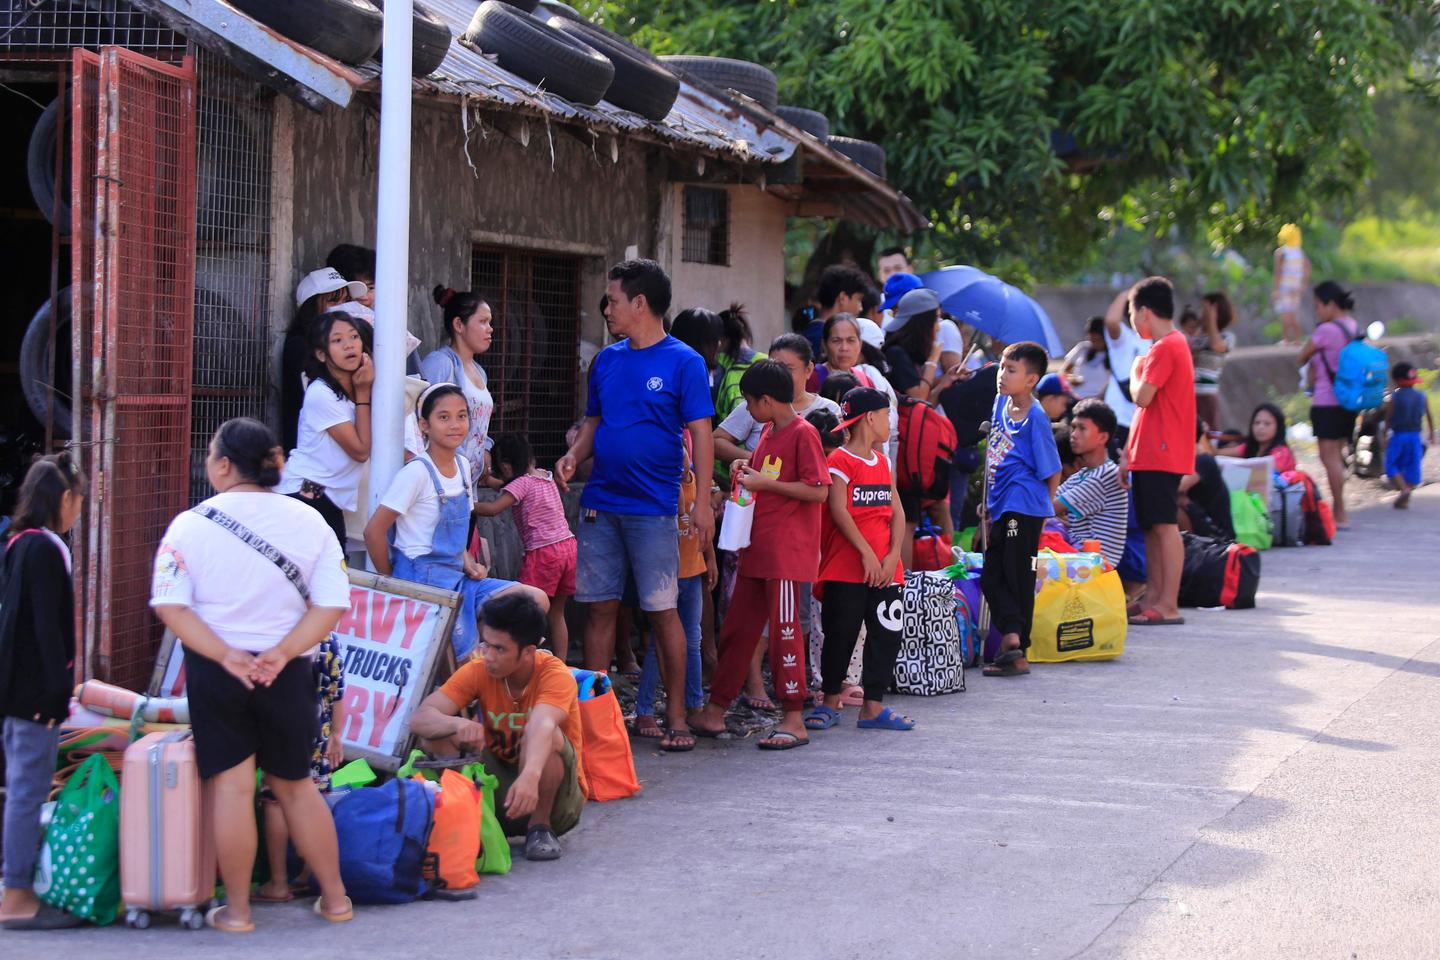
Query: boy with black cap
<point x="861" y="580"/>
<point x="1404" y="409"/>
<point x="1022" y="467"/>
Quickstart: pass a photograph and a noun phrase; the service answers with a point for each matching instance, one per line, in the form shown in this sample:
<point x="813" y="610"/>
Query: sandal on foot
<point x="760" y="703"/>
<point x="347" y="914"/>
<point x="649" y="728"/>
<point x="887" y="719"/>
<point x="213" y="921"/>
<point x="46" y="918"/>
<point x="821" y="717"/>
<point x="1005" y="665"/>
<point x="678" y="741"/>
<point x="1154" y="618"/>
<point x="782" y="740"/>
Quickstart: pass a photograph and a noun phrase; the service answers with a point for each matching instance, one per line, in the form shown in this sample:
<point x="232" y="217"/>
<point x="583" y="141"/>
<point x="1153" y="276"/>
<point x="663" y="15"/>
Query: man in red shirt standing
<point x="789" y="477"/>
<point x="1161" y="448"/>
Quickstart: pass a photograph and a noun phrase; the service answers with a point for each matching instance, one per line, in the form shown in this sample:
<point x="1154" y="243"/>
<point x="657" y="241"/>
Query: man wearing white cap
<point x="318" y="291"/>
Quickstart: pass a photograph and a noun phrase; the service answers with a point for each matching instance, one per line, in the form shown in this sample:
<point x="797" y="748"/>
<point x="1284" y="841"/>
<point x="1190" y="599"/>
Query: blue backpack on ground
<point x="1361" y="375"/>
<point x="383" y="832"/>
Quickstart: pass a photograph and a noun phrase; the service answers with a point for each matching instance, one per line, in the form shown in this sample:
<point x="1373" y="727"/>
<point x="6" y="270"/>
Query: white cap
<point x="870" y="332"/>
<point x="326" y="280"/>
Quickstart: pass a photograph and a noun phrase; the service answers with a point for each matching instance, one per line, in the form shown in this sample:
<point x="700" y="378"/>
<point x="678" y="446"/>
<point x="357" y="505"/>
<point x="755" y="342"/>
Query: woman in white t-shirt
<point x="740" y="433"/>
<point x="250" y="583"/>
<point x="468" y="328"/>
<point x="1087" y="368"/>
<point x="429" y="504"/>
<point x="325" y="467"/>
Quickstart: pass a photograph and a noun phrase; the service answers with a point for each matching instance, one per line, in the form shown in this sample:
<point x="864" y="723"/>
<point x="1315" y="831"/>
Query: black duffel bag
<point x="1218" y="574"/>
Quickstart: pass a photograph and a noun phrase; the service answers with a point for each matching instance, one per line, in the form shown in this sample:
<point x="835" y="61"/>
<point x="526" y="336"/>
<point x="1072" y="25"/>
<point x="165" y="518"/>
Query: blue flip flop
<point x="821" y="717"/>
<point x="887" y="720"/>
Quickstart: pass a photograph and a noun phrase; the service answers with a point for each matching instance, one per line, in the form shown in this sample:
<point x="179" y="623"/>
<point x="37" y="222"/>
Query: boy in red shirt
<point x="784" y="554"/>
<point x="1161" y="448"/>
<point x="860" y="573"/>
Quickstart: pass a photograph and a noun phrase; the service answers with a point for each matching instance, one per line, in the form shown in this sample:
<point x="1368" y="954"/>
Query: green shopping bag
<point x="494" y="847"/>
<point x="79" y="868"/>
<point x="1251" y="517"/>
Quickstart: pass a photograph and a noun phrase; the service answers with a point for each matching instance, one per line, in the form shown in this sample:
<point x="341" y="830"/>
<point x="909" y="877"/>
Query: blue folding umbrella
<point x="989" y="304"/>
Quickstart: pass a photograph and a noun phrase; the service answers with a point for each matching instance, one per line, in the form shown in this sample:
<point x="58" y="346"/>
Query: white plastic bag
<point x="735" y="530"/>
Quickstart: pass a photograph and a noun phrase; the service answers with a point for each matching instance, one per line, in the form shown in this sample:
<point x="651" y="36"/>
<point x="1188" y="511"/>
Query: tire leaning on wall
<point x="37" y="364"/>
<point x="869" y="155"/>
<point x="546" y="57"/>
<point x="742" y="76"/>
<point x="430" y="40"/>
<point x="345" y="30"/>
<point x="642" y="83"/>
<point x="40" y="167"/>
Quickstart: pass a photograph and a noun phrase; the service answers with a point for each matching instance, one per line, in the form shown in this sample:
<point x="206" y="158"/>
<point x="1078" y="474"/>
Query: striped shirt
<point x="539" y="514"/>
<point x="1096" y="506"/>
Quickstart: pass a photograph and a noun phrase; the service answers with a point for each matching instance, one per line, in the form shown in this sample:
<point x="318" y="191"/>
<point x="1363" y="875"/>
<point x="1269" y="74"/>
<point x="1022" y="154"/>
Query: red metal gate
<point x="140" y="331"/>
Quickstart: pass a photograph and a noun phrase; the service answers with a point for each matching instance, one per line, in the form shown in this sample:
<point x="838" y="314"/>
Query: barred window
<point x="707" y="226"/>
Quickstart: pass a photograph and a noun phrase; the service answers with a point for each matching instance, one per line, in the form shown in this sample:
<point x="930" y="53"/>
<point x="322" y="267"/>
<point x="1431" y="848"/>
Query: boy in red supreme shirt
<point x="788" y="476"/>
<point x="860" y="570"/>
<point x="1161" y="449"/>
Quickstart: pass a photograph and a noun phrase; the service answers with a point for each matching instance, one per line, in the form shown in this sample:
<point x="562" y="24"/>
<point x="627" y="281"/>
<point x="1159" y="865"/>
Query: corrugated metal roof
<point x="698" y="118"/>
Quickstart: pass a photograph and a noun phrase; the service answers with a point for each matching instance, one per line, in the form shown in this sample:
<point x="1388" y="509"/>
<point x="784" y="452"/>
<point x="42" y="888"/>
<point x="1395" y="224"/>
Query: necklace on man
<point x="506" y="681"/>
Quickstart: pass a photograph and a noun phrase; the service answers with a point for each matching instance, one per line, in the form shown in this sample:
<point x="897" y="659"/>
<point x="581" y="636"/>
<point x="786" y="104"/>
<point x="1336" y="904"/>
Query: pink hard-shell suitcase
<point x="167" y="857"/>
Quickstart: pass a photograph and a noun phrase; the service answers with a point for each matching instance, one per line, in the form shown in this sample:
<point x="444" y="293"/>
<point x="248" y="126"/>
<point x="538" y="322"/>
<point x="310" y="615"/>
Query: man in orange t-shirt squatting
<point x="1161" y="448"/>
<point x="529" y="726"/>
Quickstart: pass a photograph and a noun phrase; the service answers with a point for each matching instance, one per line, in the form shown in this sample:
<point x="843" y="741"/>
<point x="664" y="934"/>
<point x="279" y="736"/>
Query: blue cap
<point x="897" y="286"/>
<point x="1052" y="384"/>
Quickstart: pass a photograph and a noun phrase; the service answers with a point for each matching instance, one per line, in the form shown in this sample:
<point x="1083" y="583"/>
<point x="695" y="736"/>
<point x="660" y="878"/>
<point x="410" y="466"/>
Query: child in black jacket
<point x="37" y="672"/>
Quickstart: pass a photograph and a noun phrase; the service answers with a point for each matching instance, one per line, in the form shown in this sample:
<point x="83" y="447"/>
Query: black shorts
<point x="910" y="503"/>
<point x="1332" y="423"/>
<point x="275" y="724"/>
<point x="1157" y="497"/>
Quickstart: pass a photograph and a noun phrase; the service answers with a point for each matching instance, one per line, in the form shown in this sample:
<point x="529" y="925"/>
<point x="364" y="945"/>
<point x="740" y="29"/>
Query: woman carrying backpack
<point x="1332" y="423"/>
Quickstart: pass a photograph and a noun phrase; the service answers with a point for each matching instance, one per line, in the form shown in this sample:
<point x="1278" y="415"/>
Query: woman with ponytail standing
<point x="468" y="333"/>
<point x="251" y="582"/>
<point x="37" y="671"/>
<point x="1332" y="423"/>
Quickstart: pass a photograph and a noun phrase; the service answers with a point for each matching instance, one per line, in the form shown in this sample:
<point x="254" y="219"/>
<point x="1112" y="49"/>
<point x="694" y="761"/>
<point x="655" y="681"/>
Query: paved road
<point x="1254" y="784"/>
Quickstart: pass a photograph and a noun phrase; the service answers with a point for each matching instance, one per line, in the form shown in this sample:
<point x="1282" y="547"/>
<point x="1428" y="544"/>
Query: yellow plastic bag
<point x="1079" y="609"/>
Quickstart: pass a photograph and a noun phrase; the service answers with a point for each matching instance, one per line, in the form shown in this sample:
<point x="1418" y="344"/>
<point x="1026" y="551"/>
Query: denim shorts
<point x="612" y="545"/>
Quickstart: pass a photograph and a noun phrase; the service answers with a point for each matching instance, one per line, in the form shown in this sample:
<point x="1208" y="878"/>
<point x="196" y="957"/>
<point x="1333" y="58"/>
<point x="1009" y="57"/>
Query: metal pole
<point x="392" y="263"/>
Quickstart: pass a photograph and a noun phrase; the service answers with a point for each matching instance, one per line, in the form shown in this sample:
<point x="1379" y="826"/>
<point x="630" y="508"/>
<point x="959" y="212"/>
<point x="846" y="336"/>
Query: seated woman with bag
<point x="251" y="582"/>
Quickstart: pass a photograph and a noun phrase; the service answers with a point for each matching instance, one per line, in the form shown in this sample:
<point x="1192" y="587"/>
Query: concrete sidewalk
<point x="1254" y="784"/>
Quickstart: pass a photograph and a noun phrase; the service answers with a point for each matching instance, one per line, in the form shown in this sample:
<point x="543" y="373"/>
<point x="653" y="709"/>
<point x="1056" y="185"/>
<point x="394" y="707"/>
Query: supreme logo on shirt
<point x="870" y="495"/>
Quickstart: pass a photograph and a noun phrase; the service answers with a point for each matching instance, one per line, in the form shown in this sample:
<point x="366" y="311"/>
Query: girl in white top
<point x="429" y="505"/>
<point x="334" y="438"/>
<point x="740" y="433"/>
<point x="1292" y="278"/>
<point x="250" y="583"/>
<point x="1087" y="368"/>
<point x="468" y="326"/>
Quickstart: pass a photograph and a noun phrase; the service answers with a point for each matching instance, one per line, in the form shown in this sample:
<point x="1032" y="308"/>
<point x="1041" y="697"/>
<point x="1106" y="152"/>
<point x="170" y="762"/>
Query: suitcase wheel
<point x="139" y="919"/>
<point x="192" y="919"/>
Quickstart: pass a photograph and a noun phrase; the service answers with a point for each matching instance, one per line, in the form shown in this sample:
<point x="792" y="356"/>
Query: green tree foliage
<point x="1030" y="128"/>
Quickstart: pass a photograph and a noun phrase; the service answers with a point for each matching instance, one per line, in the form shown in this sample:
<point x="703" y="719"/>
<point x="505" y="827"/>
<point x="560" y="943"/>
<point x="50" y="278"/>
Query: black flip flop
<point x="790" y="743"/>
<point x="1004" y="665"/>
<point x="46" y="918"/>
<point x="667" y="742"/>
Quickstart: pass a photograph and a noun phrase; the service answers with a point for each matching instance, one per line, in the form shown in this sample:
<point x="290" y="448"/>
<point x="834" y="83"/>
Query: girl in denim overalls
<point x="428" y="504"/>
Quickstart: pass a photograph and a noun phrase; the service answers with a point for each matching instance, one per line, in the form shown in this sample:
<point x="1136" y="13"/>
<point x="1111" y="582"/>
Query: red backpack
<point x="1318" y="528"/>
<point x="927" y="442"/>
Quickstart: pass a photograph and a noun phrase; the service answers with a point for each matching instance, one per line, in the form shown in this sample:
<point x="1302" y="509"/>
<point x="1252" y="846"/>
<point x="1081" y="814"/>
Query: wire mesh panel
<point x="46" y="31"/>
<point x="706" y="237"/>
<point x="231" y="366"/>
<point x="84" y="128"/>
<point x="533" y="362"/>
<point x="146" y="252"/>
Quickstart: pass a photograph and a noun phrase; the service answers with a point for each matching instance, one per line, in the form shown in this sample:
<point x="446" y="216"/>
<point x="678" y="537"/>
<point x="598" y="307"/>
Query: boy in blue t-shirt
<point x="1404" y="410"/>
<point x="1022" y="470"/>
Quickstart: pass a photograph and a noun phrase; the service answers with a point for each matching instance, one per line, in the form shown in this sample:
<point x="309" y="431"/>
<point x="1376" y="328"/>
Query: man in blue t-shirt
<point x="644" y="392"/>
